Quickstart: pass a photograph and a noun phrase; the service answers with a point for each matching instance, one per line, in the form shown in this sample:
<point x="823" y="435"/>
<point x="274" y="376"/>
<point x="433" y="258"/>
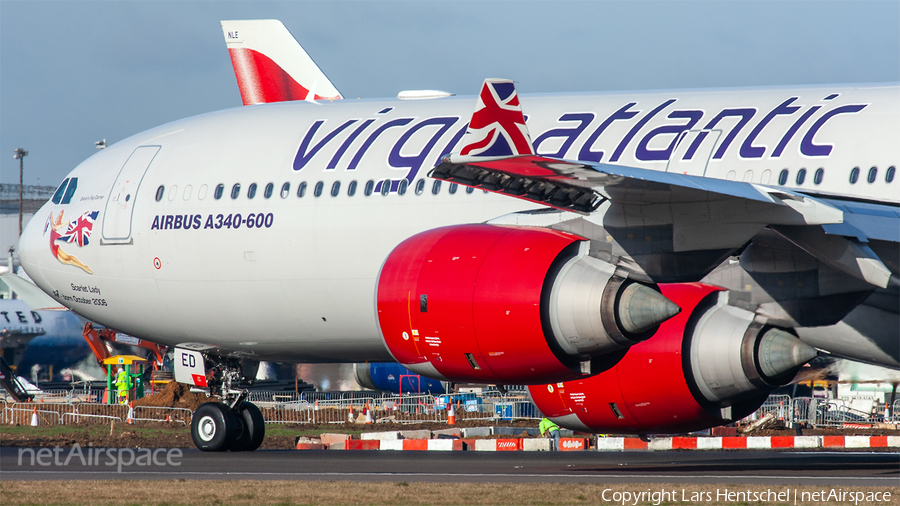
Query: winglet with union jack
<point x="497" y="128"/>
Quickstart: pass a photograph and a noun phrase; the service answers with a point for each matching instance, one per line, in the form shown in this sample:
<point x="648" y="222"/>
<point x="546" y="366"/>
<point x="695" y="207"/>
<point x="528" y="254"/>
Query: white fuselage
<point x="300" y="286"/>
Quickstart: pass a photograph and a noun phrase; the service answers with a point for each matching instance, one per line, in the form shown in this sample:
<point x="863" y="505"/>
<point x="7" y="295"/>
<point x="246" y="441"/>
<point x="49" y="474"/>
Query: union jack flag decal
<point x="498" y="126"/>
<point x="79" y="230"/>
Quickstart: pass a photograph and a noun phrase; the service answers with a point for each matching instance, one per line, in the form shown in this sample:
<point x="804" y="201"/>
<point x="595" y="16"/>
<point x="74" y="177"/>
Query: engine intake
<point x="706" y="366"/>
<point x="493" y="304"/>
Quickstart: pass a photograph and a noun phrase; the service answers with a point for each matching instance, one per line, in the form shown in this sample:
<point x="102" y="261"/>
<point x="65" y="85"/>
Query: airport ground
<point x="284" y="476"/>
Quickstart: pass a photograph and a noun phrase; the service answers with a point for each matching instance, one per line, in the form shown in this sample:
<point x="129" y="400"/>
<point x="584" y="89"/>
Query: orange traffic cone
<point x="34" y="417"/>
<point x="168" y="418"/>
<point x="316" y="406"/>
<point x="368" y="414"/>
<point x="451" y="415"/>
<point x="350" y="417"/>
<point x="130" y="418"/>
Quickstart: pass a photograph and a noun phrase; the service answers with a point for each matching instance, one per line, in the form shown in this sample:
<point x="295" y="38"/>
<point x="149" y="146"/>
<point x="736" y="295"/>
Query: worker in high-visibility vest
<point x="551" y="430"/>
<point x="122" y="386"/>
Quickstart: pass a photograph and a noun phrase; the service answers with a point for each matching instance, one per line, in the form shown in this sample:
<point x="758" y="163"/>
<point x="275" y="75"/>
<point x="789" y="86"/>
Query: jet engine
<point x="509" y="305"/>
<point x="711" y="364"/>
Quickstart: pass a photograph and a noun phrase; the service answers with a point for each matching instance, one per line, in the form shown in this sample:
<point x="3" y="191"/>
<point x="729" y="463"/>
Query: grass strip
<point x="340" y="493"/>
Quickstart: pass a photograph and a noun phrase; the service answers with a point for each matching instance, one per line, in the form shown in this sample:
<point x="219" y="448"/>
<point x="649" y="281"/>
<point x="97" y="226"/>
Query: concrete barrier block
<point x="380" y="436"/>
<point x="311" y="446"/>
<point x="415" y="434"/>
<point x="633" y="443"/>
<point x="307" y="440"/>
<point x="391" y="444"/>
<point x="807" y="441"/>
<point x="329" y="439"/>
<point x="358" y="444"/>
<point x="415" y="444"/>
<point x="485" y="445"/>
<point x="338" y="446"/>
<point x="571" y="444"/>
<point x="607" y="444"/>
<point x="517" y="431"/>
<point x="536" y="445"/>
<point x="709" y="443"/>
<point x="435" y="434"/>
<point x="893" y="441"/>
<point x="509" y="445"/>
<point x="856" y="441"/>
<point x="469" y="432"/>
<point x="441" y="445"/>
<point x="758" y="442"/>
<point x="662" y="443"/>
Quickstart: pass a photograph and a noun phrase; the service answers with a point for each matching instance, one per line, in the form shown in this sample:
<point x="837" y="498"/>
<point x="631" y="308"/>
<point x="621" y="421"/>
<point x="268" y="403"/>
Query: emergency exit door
<point x="120" y="203"/>
<point x="693" y="151"/>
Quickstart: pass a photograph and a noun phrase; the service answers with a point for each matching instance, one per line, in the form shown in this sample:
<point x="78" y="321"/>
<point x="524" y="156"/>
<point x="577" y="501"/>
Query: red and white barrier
<point x="388" y="441"/>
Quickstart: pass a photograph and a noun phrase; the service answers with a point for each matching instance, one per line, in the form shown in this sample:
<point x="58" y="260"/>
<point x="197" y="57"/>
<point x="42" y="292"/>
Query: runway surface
<point x="771" y="468"/>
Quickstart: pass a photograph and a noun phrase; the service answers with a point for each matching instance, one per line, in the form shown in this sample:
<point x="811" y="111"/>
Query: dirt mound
<point x="175" y="395"/>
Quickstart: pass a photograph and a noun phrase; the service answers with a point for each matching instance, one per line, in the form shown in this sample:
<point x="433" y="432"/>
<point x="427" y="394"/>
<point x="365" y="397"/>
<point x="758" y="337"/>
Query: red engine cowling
<point x="708" y="365"/>
<point x="464" y="303"/>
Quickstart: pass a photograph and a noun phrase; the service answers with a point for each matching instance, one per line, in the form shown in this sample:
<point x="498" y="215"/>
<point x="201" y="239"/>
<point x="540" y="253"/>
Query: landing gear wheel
<point x="254" y="428"/>
<point x="214" y="427"/>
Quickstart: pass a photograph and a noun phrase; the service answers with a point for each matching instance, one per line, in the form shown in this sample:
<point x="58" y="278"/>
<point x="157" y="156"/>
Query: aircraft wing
<point x="705" y="213"/>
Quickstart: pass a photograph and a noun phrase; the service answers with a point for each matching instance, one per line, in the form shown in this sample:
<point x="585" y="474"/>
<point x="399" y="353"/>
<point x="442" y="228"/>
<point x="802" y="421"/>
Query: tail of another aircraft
<point x="271" y="66"/>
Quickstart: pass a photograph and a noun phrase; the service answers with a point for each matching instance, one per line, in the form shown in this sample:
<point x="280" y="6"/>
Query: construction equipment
<point x="11" y="383"/>
<point x="95" y="338"/>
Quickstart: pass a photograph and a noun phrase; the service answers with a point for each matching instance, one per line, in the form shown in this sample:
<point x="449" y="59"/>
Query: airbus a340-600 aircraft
<point x="649" y="262"/>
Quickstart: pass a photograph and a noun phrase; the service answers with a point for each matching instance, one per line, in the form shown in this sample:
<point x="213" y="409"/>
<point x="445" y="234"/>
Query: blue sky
<point x="72" y="73"/>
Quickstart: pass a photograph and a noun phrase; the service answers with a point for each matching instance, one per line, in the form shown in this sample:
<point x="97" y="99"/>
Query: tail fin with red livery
<point x="271" y="66"/>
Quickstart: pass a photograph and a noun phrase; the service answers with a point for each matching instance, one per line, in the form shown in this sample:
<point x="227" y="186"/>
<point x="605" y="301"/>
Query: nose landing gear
<point x="216" y="427"/>
<point x="230" y="424"/>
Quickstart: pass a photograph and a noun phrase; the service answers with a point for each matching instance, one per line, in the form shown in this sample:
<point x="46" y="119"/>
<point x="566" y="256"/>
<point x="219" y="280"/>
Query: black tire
<point x="213" y="427"/>
<point x="254" y="428"/>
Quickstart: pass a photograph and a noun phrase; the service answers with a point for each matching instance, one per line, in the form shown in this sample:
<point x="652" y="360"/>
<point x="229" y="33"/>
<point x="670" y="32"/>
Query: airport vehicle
<point x="649" y="262"/>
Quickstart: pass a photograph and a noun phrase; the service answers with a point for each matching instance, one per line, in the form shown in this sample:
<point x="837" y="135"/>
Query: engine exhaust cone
<point x="780" y="352"/>
<point x="641" y="308"/>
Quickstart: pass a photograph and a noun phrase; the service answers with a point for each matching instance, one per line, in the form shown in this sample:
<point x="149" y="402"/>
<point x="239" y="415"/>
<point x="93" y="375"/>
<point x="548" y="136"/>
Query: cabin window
<point x="268" y="191"/>
<point x="159" y="194"/>
<point x="817" y="177"/>
<point x="285" y="190"/>
<point x="401" y="188"/>
<point x="173" y="191"/>
<point x="235" y="191"/>
<point x="470" y="189"/>
<point x="220" y="189"/>
<point x="251" y="191"/>
<point x="801" y="176"/>
<point x="782" y="177"/>
<point x="370" y="186"/>
<point x="453" y="187"/>
<point x="351" y="188"/>
<point x="301" y="190"/>
<point x="889" y="174"/>
<point x="873" y="173"/>
<point x="436" y="188"/>
<point x="335" y="188"/>
<point x="186" y="194"/>
<point x="386" y="187"/>
<point x="317" y="191"/>
<point x="854" y="175"/>
<point x="420" y="187"/>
